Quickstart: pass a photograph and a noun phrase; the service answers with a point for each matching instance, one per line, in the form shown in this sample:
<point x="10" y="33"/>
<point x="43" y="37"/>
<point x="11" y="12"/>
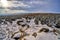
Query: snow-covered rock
<point x="33" y="28"/>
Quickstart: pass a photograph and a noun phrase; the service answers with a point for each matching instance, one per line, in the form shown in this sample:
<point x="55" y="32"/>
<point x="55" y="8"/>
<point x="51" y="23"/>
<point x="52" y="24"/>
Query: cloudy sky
<point x="29" y="6"/>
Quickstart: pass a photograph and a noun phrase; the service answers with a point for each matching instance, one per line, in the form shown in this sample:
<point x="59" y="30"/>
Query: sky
<point x="29" y="6"/>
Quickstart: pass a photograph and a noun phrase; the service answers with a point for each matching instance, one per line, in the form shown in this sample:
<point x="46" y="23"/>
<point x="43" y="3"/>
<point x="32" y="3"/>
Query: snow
<point x="17" y="35"/>
<point x="46" y="36"/>
<point x="30" y="38"/>
<point x="10" y="29"/>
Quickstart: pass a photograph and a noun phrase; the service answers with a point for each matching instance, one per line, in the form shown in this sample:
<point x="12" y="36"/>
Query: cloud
<point x="19" y="3"/>
<point x="24" y="6"/>
<point x="13" y="11"/>
<point x="14" y="7"/>
<point x="38" y="2"/>
<point x="16" y="3"/>
<point x="45" y="11"/>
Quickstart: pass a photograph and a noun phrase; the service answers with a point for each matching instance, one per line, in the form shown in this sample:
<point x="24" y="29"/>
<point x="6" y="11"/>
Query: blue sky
<point x="31" y="6"/>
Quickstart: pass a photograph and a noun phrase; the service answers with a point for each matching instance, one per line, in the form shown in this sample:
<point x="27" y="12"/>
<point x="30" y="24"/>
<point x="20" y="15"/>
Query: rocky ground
<point x="30" y="28"/>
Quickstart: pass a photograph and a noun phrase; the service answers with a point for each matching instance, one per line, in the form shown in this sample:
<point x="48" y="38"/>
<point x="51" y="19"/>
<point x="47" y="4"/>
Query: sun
<point x="4" y="3"/>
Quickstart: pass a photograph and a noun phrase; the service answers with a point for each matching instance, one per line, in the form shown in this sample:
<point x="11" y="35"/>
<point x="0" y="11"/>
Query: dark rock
<point x="18" y="22"/>
<point x="58" y="25"/>
<point x="23" y="25"/>
<point x="13" y="19"/>
<point x="34" y="34"/>
<point x="16" y="38"/>
<point x="44" y="30"/>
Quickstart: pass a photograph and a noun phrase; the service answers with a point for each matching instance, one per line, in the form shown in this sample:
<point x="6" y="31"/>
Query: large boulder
<point x="58" y="24"/>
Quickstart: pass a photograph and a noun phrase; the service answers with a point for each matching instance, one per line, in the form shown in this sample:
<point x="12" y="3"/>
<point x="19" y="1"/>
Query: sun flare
<point x="4" y="3"/>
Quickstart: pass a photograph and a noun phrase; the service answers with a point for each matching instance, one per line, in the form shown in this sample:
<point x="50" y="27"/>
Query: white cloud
<point x="19" y="3"/>
<point x="38" y="2"/>
<point x="17" y="11"/>
<point x="31" y="6"/>
<point x="16" y="3"/>
<point x="13" y="11"/>
<point x="41" y="11"/>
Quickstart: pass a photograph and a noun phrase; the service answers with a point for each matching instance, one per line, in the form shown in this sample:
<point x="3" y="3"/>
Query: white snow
<point x="46" y="36"/>
<point x="12" y="28"/>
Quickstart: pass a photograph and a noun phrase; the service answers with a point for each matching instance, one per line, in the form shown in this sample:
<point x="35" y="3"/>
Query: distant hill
<point x="28" y="14"/>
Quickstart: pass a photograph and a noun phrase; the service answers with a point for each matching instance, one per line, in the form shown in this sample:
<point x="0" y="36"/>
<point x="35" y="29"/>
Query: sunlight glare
<point x="4" y="3"/>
